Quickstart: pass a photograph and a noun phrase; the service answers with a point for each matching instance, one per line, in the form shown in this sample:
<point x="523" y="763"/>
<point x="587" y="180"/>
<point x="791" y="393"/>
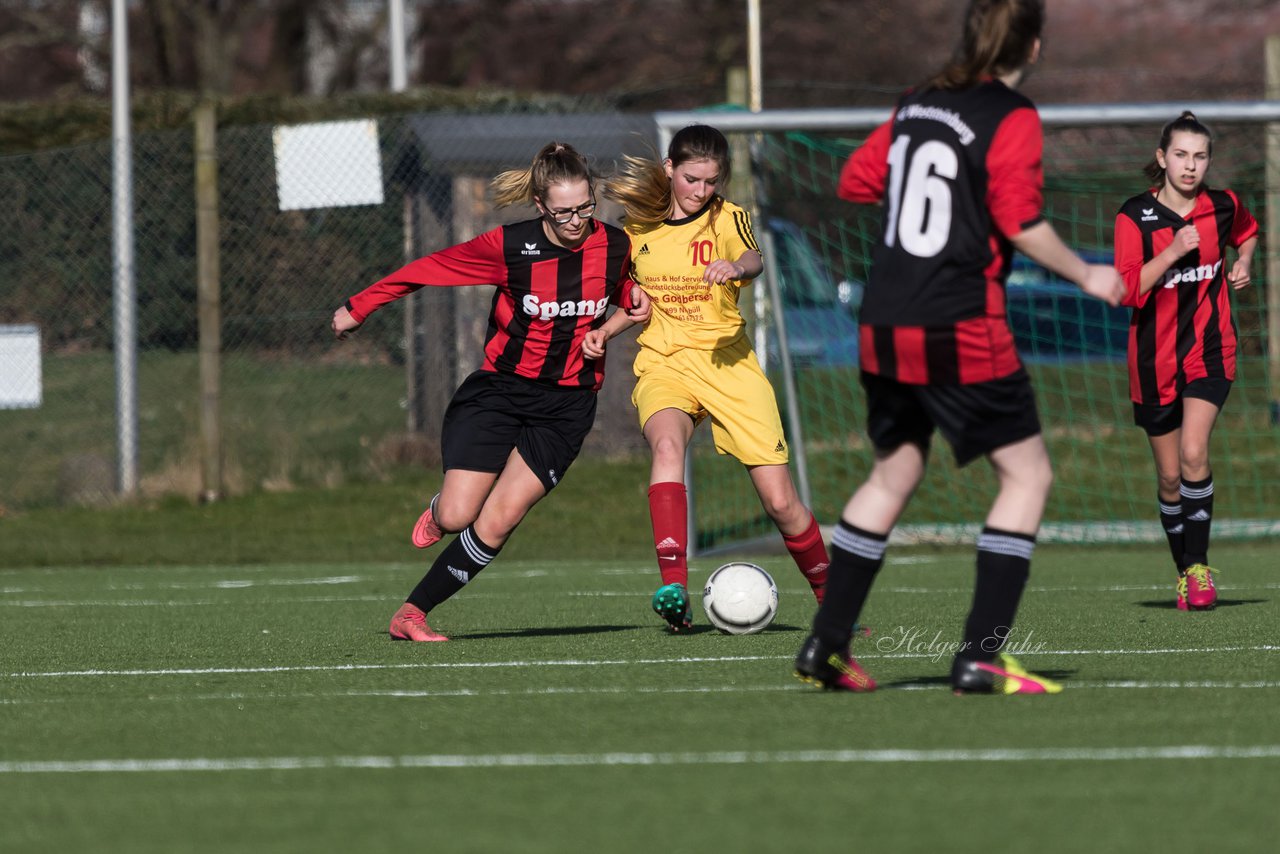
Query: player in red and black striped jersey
<point x="1171" y="248"/>
<point x="958" y="169"/>
<point x="514" y="427"/>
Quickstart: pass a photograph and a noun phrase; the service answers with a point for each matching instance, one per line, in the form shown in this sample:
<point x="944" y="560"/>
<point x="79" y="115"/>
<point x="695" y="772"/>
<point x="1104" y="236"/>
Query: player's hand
<point x="343" y="324"/>
<point x="641" y="306"/>
<point x="1104" y="282"/>
<point x="1240" y="277"/>
<point x="593" y="344"/>
<point x="1185" y="240"/>
<point x="720" y="271"/>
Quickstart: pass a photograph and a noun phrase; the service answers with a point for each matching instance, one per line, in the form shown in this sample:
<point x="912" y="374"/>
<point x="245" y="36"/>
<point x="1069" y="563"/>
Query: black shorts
<point x="975" y="419"/>
<point x="492" y="413"/>
<point x="1159" y="420"/>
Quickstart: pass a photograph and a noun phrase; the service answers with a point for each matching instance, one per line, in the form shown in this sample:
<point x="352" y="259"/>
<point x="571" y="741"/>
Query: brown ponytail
<point x="998" y="38"/>
<point x="643" y="188"/>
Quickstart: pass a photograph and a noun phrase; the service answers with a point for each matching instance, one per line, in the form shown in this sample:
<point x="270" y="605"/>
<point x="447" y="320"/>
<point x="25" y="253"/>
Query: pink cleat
<point x="410" y="623"/>
<point x="833" y="670"/>
<point x="1195" y="589"/>
<point x="426" y="532"/>
<point x="1002" y="676"/>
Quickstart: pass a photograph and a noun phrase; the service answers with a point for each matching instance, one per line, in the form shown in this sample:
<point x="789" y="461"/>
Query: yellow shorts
<point x="725" y="384"/>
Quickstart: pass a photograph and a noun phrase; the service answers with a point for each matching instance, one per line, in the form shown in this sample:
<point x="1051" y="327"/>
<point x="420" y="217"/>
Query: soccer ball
<point x="740" y="598"/>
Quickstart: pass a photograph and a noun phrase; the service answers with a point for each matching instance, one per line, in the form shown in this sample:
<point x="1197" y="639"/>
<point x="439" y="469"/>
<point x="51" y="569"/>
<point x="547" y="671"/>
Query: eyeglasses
<point x="586" y="211"/>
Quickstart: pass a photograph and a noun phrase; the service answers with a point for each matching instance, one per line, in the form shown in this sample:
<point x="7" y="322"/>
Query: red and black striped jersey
<point x="1180" y="330"/>
<point x="547" y="298"/>
<point x="959" y="173"/>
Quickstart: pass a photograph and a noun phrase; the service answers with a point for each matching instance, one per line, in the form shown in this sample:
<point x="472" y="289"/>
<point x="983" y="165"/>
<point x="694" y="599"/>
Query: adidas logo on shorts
<point x="780" y="448"/>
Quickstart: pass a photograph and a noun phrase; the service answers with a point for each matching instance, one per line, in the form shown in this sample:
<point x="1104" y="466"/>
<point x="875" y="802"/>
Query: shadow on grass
<point x="547" y="632"/>
<point x="707" y="628"/>
<point x="945" y="681"/>
<point x="1171" y="604"/>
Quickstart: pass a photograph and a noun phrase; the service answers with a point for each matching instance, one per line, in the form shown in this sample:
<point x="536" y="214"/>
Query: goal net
<point x="1074" y="347"/>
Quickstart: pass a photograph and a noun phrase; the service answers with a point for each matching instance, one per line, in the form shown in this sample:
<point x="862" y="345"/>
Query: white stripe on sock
<point x="1005" y="545"/>
<point x="1203" y="492"/>
<point x="471" y="545"/>
<point x="862" y="546"/>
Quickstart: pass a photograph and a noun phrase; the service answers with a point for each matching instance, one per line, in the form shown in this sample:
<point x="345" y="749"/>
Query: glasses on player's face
<point x="564" y="217"/>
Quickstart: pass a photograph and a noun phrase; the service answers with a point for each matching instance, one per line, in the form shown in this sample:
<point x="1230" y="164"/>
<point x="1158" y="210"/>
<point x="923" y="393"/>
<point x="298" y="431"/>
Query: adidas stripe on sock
<point x="455" y="566"/>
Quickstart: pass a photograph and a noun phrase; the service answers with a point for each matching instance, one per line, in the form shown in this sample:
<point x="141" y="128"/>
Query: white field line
<point x="236" y="583"/>
<point x="775" y="687"/>
<point x="545" y="760"/>
<point x="590" y="594"/>
<point x="429" y="665"/>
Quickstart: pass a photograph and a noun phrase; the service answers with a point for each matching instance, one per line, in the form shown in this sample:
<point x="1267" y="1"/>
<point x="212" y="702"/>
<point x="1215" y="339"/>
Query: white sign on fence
<point x="328" y="165"/>
<point x="20" y="386"/>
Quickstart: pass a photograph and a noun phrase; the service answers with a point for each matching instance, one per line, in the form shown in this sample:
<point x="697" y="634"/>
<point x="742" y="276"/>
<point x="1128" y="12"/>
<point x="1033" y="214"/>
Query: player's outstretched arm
<point x="343" y="324"/>
<point x="1041" y="244"/>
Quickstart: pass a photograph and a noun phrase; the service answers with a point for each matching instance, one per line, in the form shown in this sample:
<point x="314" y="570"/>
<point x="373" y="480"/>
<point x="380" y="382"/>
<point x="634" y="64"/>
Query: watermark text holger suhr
<point x="914" y="640"/>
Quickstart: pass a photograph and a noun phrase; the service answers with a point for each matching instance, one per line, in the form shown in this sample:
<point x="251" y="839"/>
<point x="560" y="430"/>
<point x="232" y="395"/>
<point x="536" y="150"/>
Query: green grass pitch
<point x="263" y="708"/>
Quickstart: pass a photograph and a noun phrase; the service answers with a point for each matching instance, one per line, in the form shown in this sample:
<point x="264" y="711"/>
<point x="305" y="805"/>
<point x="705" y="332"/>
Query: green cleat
<point x="671" y="603"/>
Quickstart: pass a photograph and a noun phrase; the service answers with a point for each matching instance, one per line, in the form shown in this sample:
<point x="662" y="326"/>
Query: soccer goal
<point x="818" y="251"/>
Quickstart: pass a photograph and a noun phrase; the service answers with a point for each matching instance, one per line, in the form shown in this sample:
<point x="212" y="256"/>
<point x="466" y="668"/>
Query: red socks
<point x="810" y="555"/>
<point x="669" y="510"/>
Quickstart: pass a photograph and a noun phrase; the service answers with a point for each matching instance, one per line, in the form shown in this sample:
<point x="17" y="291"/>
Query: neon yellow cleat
<point x="1002" y="676"/>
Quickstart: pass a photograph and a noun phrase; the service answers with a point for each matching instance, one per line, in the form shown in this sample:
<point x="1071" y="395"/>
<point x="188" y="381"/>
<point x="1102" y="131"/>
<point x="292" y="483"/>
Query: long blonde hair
<point x="643" y="188"/>
<point x="556" y="163"/>
<point x="998" y="38"/>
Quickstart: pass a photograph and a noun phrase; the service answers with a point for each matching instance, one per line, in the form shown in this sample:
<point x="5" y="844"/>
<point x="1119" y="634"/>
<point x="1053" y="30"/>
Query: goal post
<point x="1105" y="490"/>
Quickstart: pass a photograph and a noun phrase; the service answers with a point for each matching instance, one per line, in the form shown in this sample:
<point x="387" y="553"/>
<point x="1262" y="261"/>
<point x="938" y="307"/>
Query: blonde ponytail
<point x="556" y="163"/>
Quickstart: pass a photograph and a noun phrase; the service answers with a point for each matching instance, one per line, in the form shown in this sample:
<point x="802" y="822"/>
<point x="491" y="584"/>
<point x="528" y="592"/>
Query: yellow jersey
<point x="668" y="261"/>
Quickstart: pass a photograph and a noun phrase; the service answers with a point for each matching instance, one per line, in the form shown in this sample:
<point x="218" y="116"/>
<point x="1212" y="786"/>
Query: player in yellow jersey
<point x="693" y="252"/>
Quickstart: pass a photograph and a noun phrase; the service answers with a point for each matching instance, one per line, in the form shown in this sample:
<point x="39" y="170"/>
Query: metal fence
<point x="296" y="407"/>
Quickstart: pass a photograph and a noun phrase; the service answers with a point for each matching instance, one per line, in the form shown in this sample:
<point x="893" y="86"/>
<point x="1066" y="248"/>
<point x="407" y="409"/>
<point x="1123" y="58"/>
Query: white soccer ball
<point x="740" y="598"/>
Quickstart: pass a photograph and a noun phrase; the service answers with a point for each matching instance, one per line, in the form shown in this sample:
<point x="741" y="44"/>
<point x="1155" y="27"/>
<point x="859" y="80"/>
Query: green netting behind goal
<point x="1073" y="347"/>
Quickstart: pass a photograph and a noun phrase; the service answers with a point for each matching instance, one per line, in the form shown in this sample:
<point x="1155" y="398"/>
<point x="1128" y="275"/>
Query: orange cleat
<point x="410" y="623"/>
<point x="426" y="532"/>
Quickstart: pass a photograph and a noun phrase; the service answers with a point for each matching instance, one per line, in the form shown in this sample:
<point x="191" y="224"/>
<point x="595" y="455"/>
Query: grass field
<point x="262" y="707"/>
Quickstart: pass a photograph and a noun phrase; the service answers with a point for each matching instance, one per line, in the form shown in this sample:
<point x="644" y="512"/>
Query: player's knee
<point x="1169" y="481"/>
<point x="1034" y="478"/>
<point x="1194" y="457"/>
<point x="453" y="518"/>
<point x="897" y="484"/>
<point x="782" y="508"/>
<point x="667" y="449"/>
<point x="1043" y="474"/>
